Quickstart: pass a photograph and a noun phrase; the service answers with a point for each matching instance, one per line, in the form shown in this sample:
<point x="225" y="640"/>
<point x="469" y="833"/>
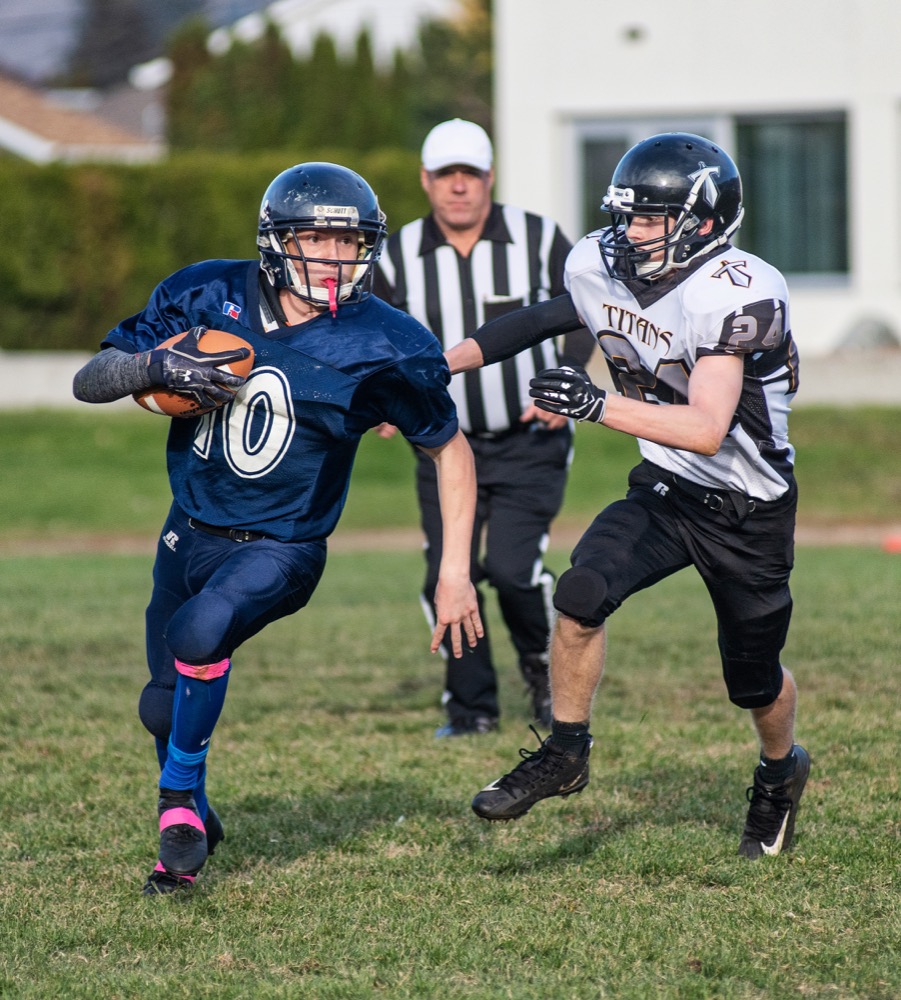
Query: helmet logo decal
<point x="337" y="215"/>
<point x="619" y="199"/>
<point x="704" y="184"/>
<point x="732" y="269"/>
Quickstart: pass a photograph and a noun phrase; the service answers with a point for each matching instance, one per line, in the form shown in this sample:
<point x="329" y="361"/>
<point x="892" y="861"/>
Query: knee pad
<point x="753" y="683"/>
<point x="751" y="661"/>
<point x="155" y="709"/>
<point x="580" y="594"/>
<point x="201" y="630"/>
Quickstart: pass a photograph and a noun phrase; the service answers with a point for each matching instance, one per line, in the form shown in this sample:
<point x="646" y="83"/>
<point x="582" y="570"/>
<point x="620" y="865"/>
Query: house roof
<point x="36" y="128"/>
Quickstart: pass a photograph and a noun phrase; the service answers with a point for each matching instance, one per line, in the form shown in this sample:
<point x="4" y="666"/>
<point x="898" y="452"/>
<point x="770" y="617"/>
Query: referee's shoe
<point x="773" y="809"/>
<point x="548" y="771"/>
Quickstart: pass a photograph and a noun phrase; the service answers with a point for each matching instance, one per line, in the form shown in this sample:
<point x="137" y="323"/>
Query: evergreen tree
<point x="262" y="93"/>
<point x="113" y="36"/>
<point x="193" y="119"/>
<point x="361" y="127"/>
<point x="258" y="96"/>
<point x="452" y="78"/>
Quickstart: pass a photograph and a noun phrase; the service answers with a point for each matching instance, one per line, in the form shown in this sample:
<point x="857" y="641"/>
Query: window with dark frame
<point x="794" y="174"/>
<point x="795" y="181"/>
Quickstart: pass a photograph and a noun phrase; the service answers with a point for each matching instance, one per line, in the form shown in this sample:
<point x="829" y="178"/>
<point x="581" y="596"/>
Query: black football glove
<point x="190" y="371"/>
<point x="570" y="392"/>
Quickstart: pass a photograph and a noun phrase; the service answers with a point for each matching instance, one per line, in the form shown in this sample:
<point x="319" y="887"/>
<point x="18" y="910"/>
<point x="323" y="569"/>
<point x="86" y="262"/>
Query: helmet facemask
<point x="352" y="277"/>
<point x="288" y="266"/>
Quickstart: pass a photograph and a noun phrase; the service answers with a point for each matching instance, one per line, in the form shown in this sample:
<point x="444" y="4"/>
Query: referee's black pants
<point x="521" y="481"/>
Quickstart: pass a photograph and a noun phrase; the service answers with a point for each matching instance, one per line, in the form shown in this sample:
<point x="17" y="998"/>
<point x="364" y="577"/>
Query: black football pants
<point x="521" y="481"/>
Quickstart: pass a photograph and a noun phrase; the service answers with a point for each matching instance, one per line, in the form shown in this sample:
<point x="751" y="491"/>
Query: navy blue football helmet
<point x="326" y="196"/>
<point x="686" y="179"/>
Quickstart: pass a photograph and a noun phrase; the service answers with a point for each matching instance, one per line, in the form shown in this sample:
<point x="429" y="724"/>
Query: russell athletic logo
<point x="170" y="540"/>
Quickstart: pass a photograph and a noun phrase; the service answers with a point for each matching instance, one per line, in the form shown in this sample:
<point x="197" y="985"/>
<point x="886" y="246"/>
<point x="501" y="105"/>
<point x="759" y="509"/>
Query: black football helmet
<point x="682" y="177"/>
<point x="314" y="196"/>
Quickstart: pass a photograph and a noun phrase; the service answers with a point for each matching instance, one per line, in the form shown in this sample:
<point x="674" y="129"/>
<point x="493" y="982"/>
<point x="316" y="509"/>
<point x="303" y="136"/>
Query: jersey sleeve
<point x="180" y="302"/>
<point x="161" y="318"/>
<point x="413" y="396"/>
<point x="752" y="327"/>
<point x="740" y="306"/>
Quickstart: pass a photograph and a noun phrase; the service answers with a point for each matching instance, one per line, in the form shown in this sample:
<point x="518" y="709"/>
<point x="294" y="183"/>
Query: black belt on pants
<point x="235" y="534"/>
<point x="713" y="499"/>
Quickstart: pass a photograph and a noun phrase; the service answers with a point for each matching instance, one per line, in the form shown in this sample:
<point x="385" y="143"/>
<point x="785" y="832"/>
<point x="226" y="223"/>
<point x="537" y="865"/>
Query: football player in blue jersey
<point x="259" y="481"/>
<point x="697" y="338"/>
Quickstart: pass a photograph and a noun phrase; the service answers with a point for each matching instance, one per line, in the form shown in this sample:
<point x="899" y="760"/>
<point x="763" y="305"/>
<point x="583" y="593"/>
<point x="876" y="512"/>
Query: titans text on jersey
<point x="652" y="334"/>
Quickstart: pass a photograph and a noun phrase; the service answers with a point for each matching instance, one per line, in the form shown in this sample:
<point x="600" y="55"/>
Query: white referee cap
<point x="457" y="141"/>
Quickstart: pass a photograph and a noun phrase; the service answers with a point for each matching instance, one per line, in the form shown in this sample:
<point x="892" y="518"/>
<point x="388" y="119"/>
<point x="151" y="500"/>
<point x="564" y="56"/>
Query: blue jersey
<point x="278" y="458"/>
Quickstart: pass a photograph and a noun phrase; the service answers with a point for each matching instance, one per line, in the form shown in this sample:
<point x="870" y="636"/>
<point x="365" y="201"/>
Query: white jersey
<point x="652" y="334"/>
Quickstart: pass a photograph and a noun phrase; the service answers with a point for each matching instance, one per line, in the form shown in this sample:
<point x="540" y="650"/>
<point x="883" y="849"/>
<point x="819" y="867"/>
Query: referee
<point x="470" y="260"/>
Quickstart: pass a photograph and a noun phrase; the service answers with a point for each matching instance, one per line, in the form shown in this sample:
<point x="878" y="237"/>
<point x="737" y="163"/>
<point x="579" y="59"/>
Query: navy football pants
<point x="211" y="594"/>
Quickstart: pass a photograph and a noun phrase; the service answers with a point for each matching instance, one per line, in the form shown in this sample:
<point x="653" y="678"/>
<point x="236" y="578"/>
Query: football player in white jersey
<point x="697" y="338"/>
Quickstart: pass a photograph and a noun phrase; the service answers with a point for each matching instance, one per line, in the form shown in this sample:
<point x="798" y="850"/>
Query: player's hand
<point x="569" y="392"/>
<point x="457" y="610"/>
<point x="190" y="371"/>
<point x="550" y="421"/>
<point x="385" y="430"/>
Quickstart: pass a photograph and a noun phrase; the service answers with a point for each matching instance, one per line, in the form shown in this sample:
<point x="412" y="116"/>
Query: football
<point x="172" y="404"/>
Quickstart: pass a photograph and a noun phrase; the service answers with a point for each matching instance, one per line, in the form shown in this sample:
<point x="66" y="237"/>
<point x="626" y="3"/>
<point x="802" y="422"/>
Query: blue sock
<point x="195" y="713"/>
<point x="200" y="799"/>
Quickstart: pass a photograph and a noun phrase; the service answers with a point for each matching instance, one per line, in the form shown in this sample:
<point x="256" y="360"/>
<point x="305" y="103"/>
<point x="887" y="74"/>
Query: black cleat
<point x="183" y="840"/>
<point x="770" y="825"/>
<point x="214" y="832"/>
<point x="535" y="673"/>
<point x="162" y="883"/>
<point x="548" y="771"/>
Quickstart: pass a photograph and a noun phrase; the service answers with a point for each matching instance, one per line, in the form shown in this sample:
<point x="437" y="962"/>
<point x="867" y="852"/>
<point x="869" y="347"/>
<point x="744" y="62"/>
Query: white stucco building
<point x="807" y="99"/>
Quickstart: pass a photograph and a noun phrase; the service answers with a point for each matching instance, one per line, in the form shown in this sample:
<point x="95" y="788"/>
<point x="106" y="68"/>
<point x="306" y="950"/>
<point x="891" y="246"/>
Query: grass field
<point x="94" y="472"/>
<point x="353" y="867"/>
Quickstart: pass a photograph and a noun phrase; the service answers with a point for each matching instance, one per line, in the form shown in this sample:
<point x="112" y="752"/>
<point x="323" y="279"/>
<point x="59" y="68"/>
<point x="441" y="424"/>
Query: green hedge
<point x="83" y="246"/>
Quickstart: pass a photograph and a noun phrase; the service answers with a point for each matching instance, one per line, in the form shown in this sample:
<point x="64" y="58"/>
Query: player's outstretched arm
<point x="111" y="374"/>
<point x="513" y="332"/>
<point x="456" y="605"/>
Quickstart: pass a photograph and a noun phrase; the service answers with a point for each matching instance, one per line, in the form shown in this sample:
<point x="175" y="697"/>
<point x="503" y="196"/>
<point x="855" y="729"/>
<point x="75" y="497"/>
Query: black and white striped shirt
<point x="517" y="261"/>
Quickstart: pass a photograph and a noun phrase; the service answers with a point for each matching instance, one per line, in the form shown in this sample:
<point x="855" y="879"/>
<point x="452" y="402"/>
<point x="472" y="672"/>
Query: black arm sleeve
<point x="111" y="374"/>
<point x="507" y="335"/>
<point x="578" y="346"/>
